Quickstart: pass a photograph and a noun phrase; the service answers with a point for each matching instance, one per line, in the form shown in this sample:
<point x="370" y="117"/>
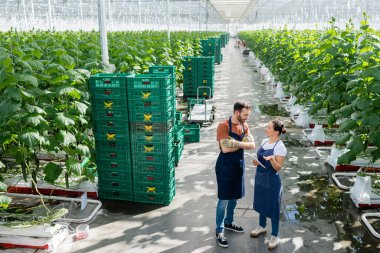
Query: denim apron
<point x="230" y="170"/>
<point x="268" y="189"/>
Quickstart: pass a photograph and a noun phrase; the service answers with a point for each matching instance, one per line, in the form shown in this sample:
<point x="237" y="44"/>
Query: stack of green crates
<point x="223" y="39"/>
<point x="112" y="143"/>
<point x="166" y="70"/>
<point x="199" y="71"/>
<point x="212" y="47"/>
<point x="151" y="114"/>
<point x="190" y="76"/>
<point x="206" y="72"/>
<point x="179" y="142"/>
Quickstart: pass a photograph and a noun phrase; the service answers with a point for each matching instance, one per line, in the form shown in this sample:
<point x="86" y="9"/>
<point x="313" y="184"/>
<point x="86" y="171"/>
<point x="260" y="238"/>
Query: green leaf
<point x="343" y="139"/>
<point x="8" y="107"/>
<point x="374" y="138"/>
<point x="13" y="92"/>
<point x="356" y="146"/>
<point x="2" y="165"/>
<point x="34" y="109"/>
<point x="52" y="172"/>
<point x="366" y="55"/>
<point x="372" y="120"/>
<point x="82" y="150"/>
<point x="353" y="83"/>
<point x="64" y="119"/>
<point x="36" y="65"/>
<point x="331" y="119"/>
<point x="26" y="78"/>
<point x="30" y="138"/>
<point x="4" y="201"/>
<point x="375" y="88"/>
<point x="375" y="154"/>
<point x="66" y="90"/>
<point x="362" y="103"/>
<point x="35" y="120"/>
<point x="347" y="125"/>
<point x="346" y="111"/>
<point x="3" y="187"/>
<point x="334" y="97"/>
<point x="67" y="61"/>
<point x="346" y="158"/>
<point x="84" y="72"/>
<point x="372" y="72"/>
<point x="66" y="138"/>
<point x="81" y="107"/>
<point x="73" y="166"/>
<point x="6" y="60"/>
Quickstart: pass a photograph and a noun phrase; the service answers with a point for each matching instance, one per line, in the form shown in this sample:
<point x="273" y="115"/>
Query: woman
<point x="268" y="190"/>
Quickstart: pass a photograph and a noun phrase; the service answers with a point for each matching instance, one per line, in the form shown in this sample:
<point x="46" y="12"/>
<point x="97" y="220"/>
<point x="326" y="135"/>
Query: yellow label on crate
<point x="148" y="138"/>
<point x="145" y="95"/>
<point x="151" y="189"/>
<point x="108" y="105"/>
<point x="148" y="128"/>
<point x="147" y="117"/>
<point x="204" y="81"/>
<point x="111" y="136"/>
<point x="189" y="68"/>
<point x="204" y="93"/>
<point x="148" y="149"/>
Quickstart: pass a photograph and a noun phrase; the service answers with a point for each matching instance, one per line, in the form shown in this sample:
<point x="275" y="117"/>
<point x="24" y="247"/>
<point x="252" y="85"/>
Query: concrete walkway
<point x="188" y="224"/>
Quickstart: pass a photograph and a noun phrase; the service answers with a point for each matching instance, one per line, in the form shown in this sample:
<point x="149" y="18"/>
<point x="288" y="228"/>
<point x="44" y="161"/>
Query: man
<point x="233" y="137"/>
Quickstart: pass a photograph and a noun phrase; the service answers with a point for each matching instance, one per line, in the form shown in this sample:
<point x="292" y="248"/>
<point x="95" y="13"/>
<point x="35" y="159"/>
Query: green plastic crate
<point x="108" y="86"/>
<point x="112" y="175"/>
<point x="151" y="127"/>
<point x="154" y="187"/>
<point x="149" y="94"/>
<point x="191" y="133"/>
<point x="161" y="199"/>
<point x="152" y="148"/>
<point x="116" y="194"/>
<point x="179" y="132"/>
<point x="121" y="184"/>
<point x="152" y="116"/>
<point x="111" y="125"/>
<point x="165" y="166"/>
<point x="154" y="137"/>
<point x="112" y="155"/>
<point x="152" y="159"/>
<point x="147" y="178"/>
<point x="113" y="146"/>
<point x="152" y="105"/>
<point x="113" y="164"/>
<point x="149" y="81"/>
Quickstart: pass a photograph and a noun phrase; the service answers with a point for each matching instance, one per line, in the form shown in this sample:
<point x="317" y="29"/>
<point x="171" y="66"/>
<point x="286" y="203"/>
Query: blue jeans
<point x="221" y="217"/>
<point x="275" y="224"/>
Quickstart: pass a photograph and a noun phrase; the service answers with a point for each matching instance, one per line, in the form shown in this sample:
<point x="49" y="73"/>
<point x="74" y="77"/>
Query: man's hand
<point x="248" y="138"/>
<point x="230" y="143"/>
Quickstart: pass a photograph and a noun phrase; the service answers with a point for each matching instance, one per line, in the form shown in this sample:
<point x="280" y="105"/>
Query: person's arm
<point x="231" y="145"/>
<point x="227" y="150"/>
<point x="276" y="161"/>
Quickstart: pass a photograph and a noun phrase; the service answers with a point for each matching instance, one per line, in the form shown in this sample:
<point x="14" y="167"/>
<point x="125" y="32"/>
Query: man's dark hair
<point x="238" y="106"/>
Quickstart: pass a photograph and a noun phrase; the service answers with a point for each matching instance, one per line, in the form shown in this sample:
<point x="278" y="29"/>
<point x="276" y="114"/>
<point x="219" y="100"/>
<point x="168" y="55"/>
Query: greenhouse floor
<point x="315" y="217"/>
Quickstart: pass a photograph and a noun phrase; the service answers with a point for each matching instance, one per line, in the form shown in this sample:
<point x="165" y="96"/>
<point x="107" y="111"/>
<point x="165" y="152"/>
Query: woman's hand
<point x="255" y="162"/>
<point x="268" y="158"/>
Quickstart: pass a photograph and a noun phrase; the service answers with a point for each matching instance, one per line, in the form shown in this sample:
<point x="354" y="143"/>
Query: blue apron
<point x="230" y="170"/>
<point x="268" y="189"/>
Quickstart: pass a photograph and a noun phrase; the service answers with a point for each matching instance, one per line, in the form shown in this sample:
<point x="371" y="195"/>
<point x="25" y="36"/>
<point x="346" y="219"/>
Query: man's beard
<point x="240" y="119"/>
